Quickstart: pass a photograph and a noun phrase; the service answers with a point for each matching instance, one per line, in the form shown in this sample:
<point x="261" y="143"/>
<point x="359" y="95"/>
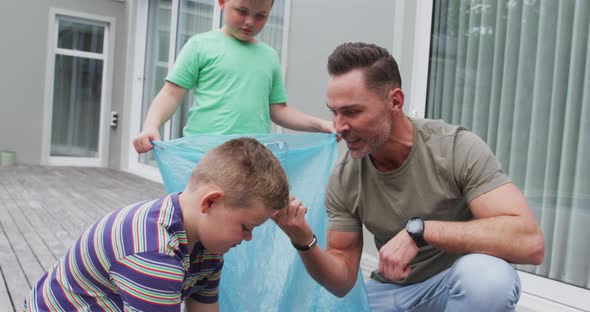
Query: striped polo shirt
<point x="133" y="259"/>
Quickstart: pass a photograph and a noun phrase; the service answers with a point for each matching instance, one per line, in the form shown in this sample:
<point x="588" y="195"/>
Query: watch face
<point x="414" y="226"/>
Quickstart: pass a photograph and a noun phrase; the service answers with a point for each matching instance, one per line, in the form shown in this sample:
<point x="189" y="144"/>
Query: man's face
<point x="362" y="117"/>
<point x="244" y="19"/>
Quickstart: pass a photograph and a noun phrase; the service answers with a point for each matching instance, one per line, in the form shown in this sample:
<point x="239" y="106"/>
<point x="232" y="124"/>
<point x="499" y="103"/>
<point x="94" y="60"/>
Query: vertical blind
<point x="517" y="73"/>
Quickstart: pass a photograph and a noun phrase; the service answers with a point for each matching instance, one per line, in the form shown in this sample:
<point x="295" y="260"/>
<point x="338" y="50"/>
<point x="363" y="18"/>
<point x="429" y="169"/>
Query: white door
<point x="78" y="90"/>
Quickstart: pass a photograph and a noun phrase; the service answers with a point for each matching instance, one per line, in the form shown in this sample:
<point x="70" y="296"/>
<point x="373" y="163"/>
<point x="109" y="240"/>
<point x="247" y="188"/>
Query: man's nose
<point x="340" y="124"/>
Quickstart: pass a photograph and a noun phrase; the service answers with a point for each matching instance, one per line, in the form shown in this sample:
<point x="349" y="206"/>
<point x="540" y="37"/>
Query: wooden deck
<point x="43" y="210"/>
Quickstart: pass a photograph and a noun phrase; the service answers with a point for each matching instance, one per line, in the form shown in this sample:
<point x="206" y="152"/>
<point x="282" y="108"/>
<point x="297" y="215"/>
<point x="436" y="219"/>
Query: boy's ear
<point x="210" y="199"/>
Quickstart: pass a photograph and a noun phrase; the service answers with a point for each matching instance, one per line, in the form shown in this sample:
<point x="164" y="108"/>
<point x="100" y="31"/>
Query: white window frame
<point x="106" y="88"/>
<point x="129" y="155"/>
<point x="284" y="51"/>
<point x="538" y="293"/>
<point x="134" y="166"/>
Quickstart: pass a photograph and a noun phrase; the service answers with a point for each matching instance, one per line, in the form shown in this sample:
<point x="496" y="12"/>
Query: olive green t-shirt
<point x="447" y="167"/>
<point x="234" y="83"/>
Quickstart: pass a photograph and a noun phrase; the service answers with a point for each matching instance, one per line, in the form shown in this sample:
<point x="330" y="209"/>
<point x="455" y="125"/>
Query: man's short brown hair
<point x="245" y="170"/>
<point x="379" y="67"/>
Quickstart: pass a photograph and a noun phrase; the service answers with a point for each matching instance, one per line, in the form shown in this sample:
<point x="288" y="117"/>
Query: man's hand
<point x="292" y="221"/>
<point x="395" y="256"/>
<point x="143" y="141"/>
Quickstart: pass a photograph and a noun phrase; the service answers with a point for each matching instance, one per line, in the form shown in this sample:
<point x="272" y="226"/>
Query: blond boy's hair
<point x="245" y="170"/>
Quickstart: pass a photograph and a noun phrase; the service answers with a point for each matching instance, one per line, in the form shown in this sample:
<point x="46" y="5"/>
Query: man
<point x="447" y="221"/>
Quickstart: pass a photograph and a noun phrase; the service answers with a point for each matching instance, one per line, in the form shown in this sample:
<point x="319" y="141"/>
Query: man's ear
<point x="211" y="199"/>
<point x="396" y="98"/>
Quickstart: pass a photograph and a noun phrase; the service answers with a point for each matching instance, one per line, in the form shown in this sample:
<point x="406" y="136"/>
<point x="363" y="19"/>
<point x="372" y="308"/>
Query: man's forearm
<point x="331" y="270"/>
<point x="508" y="237"/>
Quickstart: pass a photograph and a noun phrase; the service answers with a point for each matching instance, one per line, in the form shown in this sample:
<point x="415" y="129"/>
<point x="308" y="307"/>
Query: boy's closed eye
<point x="246" y="229"/>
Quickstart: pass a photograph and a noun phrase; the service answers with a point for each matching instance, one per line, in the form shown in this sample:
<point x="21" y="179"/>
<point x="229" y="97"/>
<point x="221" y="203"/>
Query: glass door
<point x="77" y="101"/>
<point x="170" y="24"/>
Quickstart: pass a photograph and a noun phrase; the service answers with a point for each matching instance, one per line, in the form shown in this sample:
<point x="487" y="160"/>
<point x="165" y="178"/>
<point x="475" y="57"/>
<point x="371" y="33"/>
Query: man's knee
<point x="484" y="278"/>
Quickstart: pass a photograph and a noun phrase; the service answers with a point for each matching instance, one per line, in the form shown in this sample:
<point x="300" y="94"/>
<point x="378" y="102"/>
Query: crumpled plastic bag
<point x="267" y="274"/>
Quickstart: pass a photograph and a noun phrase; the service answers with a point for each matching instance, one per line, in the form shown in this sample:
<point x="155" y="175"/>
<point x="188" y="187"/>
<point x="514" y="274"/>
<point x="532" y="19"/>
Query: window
<point x="170" y="24"/>
<point x="518" y="74"/>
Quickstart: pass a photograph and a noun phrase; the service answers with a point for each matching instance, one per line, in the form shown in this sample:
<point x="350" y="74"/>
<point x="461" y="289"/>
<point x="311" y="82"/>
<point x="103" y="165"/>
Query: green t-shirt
<point x="447" y="167"/>
<point x="234" y="84"/>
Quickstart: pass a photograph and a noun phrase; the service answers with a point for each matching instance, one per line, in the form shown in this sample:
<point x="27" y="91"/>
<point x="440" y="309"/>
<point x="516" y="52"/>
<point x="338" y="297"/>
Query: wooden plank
<point x="59" y="239"/>
<point x="6" y="304"/>
<point x="17" y="284"/>
<point x="26" y="261"/>
<point x="18" y="240"/>
<point x="43" y="210"/>
<point x="5" y="301"/>
<point x="37" y="236"/>
<point x="56" y="206"/>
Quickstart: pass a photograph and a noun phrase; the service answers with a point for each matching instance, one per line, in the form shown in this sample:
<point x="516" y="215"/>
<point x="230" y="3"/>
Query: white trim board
<point x="136" y="85"/>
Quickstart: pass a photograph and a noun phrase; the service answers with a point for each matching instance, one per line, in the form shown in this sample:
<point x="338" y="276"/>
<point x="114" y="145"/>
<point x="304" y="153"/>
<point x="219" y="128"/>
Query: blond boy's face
<point x="227" y="227"/>
<point x="244" y="19"/>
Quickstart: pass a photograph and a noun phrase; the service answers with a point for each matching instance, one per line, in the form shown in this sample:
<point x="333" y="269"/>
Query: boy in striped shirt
<point x="153" y="255"/>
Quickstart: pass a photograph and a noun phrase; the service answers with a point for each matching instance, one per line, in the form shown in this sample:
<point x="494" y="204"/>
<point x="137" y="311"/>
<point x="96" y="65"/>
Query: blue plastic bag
<point x="266" y="274"/>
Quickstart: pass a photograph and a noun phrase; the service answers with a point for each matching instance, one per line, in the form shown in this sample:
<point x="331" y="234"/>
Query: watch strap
<point x="418" y="237"/>
<point x="313" y="242"/>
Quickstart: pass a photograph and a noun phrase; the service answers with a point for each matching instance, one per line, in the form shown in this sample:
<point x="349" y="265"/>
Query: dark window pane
<point x="82" y="37"/>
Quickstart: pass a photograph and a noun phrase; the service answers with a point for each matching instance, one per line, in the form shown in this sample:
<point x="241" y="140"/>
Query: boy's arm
<point x="195" y="306"/>
<point x="161" y="109"/>
<point x="288" y="117"/>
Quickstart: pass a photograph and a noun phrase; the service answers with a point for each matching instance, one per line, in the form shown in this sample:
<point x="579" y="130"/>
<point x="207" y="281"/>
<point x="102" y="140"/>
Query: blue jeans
<point x="475" y="282"/>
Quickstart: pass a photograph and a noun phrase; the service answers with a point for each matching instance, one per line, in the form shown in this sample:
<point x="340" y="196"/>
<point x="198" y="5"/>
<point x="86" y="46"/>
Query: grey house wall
<point x="316" y="28"/>
<point x="24" y="35"/>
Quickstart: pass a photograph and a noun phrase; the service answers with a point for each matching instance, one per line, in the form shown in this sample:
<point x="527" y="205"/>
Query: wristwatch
<point x="415" y="227"/>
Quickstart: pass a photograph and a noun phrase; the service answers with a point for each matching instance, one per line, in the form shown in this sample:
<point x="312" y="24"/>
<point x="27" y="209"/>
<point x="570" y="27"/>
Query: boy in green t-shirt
<point x="236" y="78"/>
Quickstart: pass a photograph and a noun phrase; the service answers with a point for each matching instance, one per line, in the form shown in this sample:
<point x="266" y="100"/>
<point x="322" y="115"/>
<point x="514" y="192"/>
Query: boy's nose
<point x="249" y="21"/>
